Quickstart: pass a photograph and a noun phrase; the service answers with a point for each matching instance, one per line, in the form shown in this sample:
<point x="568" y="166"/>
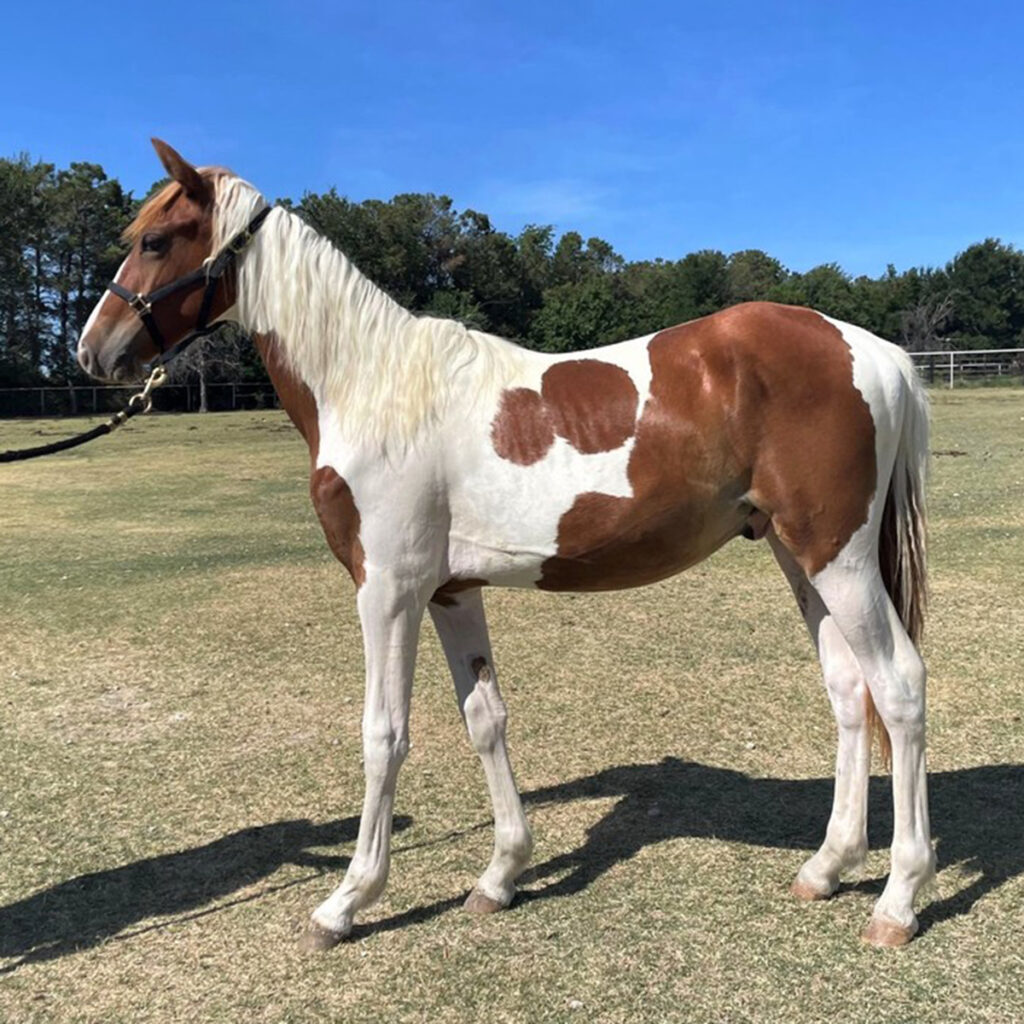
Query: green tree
<point x="595" y="311"/>
<point x="986" y="282"/>
<point x="86" y="213"/>
<point x="59" y="245"/>
<point x="24" y="234"/>
<point x="826" y="288"/>
<point x="752" y="275"/>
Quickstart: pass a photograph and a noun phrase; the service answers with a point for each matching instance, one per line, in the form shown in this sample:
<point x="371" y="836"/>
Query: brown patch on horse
<point x="336" y="509"/>
<point x="522" y="431"/>
<point x="331" y="495"/>
<point x="296" y="399"/>
<point x="445" y="595"/>
<point x="815" y="463"/>
<point x="753" y="405"/>
<point x="592" y="404"/>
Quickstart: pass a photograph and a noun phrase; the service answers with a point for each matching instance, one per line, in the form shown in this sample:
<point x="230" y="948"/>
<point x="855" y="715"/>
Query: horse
<point x="444" y="459"/>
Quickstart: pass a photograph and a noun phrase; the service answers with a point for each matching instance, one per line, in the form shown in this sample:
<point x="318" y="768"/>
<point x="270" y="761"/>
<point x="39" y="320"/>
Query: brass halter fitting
<point x="144" y="398"/>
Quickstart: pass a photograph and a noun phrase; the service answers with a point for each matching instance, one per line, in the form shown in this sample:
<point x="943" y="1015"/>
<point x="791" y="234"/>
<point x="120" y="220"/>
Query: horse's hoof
<point x="806" y="892"/>
<point x="316" y="938"/>
<point x="884" y="931"/>
<point x="478" y="903"/>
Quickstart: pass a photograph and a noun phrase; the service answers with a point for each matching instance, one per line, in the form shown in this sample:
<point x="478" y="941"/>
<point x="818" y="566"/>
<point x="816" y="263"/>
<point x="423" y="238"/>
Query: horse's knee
<point x="384" y="748"/>
<point x="846" y="685"/>
<point x="848" y="690"/>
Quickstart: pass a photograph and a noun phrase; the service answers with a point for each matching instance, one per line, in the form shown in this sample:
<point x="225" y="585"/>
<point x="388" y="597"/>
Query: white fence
<point x="990" y="365"/>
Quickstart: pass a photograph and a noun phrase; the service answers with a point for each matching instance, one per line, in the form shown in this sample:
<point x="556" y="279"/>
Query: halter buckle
<point x="141" y="304"/>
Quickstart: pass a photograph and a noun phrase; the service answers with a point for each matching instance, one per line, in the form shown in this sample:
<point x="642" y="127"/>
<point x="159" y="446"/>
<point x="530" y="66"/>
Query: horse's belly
<point x="607" y="543"/>
<point x="602" y="542"/>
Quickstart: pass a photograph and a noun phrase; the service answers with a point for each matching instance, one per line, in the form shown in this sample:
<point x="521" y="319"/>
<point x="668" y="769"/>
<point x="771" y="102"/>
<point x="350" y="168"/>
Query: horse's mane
<point x="381" y="373"/>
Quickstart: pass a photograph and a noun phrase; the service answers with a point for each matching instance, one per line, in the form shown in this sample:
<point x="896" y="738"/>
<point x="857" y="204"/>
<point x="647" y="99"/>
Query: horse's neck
<point x="324" y="327"/>
<point x="340" y="349"/>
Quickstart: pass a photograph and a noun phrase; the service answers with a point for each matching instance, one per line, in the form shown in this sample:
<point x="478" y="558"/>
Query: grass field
<point x="179" y="765"/>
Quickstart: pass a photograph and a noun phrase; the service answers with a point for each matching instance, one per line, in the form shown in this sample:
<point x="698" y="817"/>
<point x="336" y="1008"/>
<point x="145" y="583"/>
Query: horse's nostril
<point x="86" y="359"/>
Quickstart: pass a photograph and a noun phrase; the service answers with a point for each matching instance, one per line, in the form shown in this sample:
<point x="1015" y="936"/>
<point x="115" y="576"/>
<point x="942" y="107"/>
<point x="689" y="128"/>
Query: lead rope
<point x="141" y="402"/>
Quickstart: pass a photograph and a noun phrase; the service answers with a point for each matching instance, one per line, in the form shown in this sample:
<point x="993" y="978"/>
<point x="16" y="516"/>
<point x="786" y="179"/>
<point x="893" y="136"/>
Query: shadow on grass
<point x="975" y="813"/>
<point x="976" y="822"/>
<point x="90" y="909"/>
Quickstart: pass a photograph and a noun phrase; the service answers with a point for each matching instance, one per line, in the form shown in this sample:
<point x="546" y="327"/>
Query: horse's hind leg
<point x="855" y="595"/>
<point x="845" y="844"/>
<point x="462" y="627"/>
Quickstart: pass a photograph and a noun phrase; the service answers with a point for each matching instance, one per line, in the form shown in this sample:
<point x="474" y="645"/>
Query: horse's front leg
<point x="390" y="613"/>
<point x="462" y="629"/>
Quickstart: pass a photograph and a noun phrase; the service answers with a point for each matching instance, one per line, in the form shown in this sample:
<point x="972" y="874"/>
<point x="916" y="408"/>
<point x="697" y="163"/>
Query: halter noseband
<point x="211" y="273"/>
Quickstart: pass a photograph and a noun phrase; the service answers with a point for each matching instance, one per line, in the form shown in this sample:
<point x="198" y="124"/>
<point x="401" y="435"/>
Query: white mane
<point x="384" y="373"/>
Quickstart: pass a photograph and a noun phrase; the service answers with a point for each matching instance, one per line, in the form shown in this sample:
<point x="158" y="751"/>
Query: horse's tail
<point x="902" y="543"/>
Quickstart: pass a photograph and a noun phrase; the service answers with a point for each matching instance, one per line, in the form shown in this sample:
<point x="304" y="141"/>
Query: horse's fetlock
<point x="515" y="842"/>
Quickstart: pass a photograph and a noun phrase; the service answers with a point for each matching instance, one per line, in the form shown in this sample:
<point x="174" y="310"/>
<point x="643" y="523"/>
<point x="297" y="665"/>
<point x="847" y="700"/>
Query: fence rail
<point x="971" y="366"/>
<point x="106" y="398"/>
<point x="946" y="368"/>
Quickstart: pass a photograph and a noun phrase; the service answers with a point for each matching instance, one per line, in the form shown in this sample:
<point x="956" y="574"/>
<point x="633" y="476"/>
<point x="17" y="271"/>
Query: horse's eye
<point x="153" y="242"/>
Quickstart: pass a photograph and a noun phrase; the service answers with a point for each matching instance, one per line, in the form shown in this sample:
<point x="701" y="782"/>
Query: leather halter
<point x="211" y="272"/>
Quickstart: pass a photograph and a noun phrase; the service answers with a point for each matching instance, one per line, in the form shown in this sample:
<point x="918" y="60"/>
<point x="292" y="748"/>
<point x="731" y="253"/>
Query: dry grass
<point x="179" y="765"/>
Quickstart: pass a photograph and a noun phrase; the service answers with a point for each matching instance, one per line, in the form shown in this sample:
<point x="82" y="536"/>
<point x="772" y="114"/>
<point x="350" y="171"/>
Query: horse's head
<point x="171" y="238"/>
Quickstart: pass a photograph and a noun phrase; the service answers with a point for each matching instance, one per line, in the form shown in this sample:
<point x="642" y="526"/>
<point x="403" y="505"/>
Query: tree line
<point x="60" y="242"/>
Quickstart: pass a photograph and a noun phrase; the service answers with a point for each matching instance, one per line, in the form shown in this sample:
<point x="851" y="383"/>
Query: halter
<point x="211" y="272"/>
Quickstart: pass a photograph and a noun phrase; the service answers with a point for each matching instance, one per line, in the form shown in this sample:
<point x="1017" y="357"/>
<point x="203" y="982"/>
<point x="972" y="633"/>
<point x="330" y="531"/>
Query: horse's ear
<point x="181" y="170"/>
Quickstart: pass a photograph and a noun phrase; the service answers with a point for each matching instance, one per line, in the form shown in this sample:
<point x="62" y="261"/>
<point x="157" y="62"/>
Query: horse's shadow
<point x="976" y="818"/>
<point x="89" y="909"/>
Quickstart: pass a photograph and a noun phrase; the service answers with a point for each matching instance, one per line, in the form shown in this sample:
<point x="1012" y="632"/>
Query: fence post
<point x="42" y="401"/>
<point x="951" y="369"/>
<point x="234" y="405"/>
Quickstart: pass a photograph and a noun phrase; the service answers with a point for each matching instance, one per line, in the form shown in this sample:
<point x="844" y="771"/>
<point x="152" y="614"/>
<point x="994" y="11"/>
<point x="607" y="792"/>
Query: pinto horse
<point x="444" y="459"/>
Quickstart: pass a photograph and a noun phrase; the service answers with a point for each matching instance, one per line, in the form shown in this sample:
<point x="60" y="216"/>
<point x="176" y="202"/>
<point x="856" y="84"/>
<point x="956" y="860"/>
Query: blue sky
<point x="862" y="133"/>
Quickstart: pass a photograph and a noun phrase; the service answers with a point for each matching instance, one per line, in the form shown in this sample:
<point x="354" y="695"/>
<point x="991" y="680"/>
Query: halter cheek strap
<point x="211" y="272"/>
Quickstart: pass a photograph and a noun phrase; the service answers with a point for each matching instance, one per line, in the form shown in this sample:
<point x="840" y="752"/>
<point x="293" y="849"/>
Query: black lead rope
<point x="141" y="402"/>
<point x="142" y="304"/>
